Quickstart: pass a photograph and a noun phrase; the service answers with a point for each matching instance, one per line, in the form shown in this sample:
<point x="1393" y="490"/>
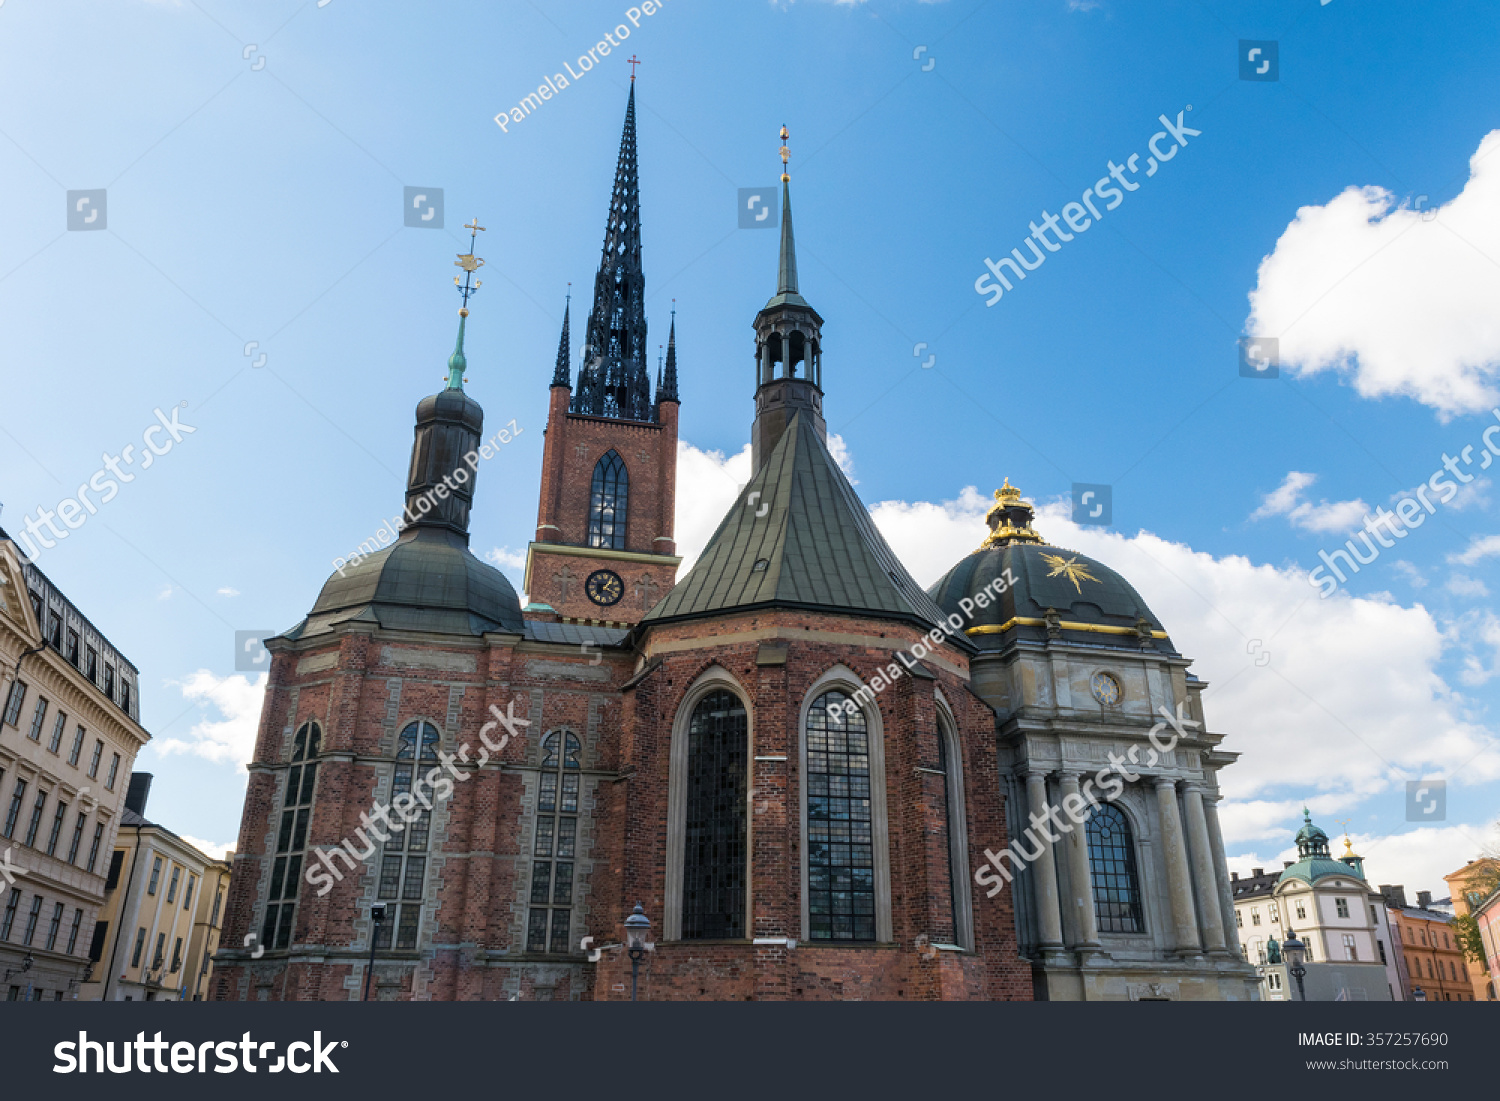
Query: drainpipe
<point x="120" y="916"/>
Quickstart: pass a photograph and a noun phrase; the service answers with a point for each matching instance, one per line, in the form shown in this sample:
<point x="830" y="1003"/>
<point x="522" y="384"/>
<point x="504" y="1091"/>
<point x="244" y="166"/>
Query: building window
<point x="114" y="771"/>
<point x="125" y="696"/>
<point x="172" y="886"/>
<point x="1273" y="914"/>
<point x="1301" y="912"/>
<point x="16" y="797"/>
<point x="403" y="861"/>
<point x="155" y="876"/>
<point x="608" y="502"/>
<point x="10" y="913"/>
<point x="13" y="703"/>
<point x="218" y="898"/>
<point x="1380" y="945"/>
<point x="54" y="926"/>
<point x="291" y="837"/>
<point x="73" y="932"/>
<point x="37" y="717"/>
<point x="187" y="895"/>
<point x="1274" y="980"/>
<point x="1341" y="907"/>
<point x="1429" y="968"/>
<point x="73" y="647"/>
<point x="58" y="729"/>
<point x="54" y="629"/>
<point x="952" y="818"/>
<point x="1239" y="919"/>
<point x="57" y="825"/>
<point x="713" y="890"/>
<point x="140" y="943"/>
<point x="1350" y="951"/>
<point x="94" y="846"/>
<point x="840" y="822"/>
<point x="91" y="664"/>
<point x="1446" y="943"/>
<point x="159" y="957"/>
<point x="177" y="955"/>
<point x="550" y="921"/>
<point x="1255" y="915"/>
<point x="36" y="817"/>
<point x="1117" y="891"/>
<point x="31" y="920"/>
<point x="109" y="681"/>
<point x="83" y="818"/>
<point x="95" y="759"/>
<point x="77" y="747"/>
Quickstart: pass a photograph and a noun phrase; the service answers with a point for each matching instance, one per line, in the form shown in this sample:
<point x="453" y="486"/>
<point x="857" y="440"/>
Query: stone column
<point x="1205" y="881"/>
<point x="1221" y="878"/>
<point x="1077" y="845"/>
<point x="1044" y="868"/>
<point x="1179" y="881"/>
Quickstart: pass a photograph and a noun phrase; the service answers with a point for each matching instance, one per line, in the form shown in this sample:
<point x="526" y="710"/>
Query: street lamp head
<point x="1419" y="995"/>
<point x="26" y="963"/>
<point x="1292" y="949"/>
<point x="637" y="929"/>
<point x="377" y="913"/>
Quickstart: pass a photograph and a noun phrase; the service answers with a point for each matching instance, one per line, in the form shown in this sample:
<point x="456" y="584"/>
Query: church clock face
<point x="604" y="587"/>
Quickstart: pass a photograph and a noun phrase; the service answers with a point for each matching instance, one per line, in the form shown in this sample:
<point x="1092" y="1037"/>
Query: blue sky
<point x="261" y="203"/>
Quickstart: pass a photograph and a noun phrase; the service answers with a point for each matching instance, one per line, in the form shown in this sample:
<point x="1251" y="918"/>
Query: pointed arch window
<point x="954" y="842"/>
<point x="713" y="894"/>
<point x="840" y="822"/>
<point x="403" y="863"/>
<point x="291" y="837"/>
<point x="608" y="502"/>
<point x="1112" y="867"/>
<point x="556" y="847"/>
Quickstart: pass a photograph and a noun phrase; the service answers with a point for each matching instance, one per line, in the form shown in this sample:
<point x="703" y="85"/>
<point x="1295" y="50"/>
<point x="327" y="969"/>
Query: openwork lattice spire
<point x="562" y="374"/>
<point x="667" y="390"/>
<point x="615" y="379"/>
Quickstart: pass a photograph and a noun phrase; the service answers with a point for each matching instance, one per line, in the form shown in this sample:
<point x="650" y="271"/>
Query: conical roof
<point x="799" y="537"/>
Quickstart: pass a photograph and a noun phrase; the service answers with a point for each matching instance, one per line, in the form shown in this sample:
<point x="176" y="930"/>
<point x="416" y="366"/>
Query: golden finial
<point x="1348" y="845"/>
<point x="1009" y="520"/>
<point x="785" y="155"/>
<point x="1007" y="492"/>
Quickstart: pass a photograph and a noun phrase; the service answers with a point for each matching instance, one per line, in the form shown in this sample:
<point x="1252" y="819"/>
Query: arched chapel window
<point x="713" y="894"/>
<point x="403" y="863"/>
<point x="1117" y="888"/>
<point x="291" y="837"/>
<point x="556" y="845"/>
<point x="608" y="502"/>
<point x="840" y="826"/>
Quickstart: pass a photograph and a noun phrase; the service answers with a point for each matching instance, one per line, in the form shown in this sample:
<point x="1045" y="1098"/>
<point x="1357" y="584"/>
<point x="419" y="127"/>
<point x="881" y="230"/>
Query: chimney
<point x="1257" y="872"/>
<point x="1424" y="899"/>
<point x="139" y="790"/>
<point x="1234" y="876"/>
<point x="1394" y="896"/>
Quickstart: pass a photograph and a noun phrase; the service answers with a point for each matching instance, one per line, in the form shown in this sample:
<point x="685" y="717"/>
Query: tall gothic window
<point x="713" y="895"/>
<point x="950" y="828"/>
<point x="291" y="837"/>
<point x="1117" y="887"/>
<point x="840" y="828"/>
<point x="608" y="501"/>
<point x="403" y="864"/>
<point x="556" y="846"/>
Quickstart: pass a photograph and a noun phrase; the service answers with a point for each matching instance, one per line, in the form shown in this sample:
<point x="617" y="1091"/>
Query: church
<point x="794" y="759"/>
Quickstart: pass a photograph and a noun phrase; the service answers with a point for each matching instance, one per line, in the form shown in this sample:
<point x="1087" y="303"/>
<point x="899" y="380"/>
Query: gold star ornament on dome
<point x="1070" y="568"/>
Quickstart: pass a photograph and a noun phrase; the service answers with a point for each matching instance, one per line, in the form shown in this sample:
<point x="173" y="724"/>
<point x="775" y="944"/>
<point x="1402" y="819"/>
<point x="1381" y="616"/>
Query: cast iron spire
<point x="615" y="380"/>
<point x="667" y="389"/>
<point x="562" y="374"/>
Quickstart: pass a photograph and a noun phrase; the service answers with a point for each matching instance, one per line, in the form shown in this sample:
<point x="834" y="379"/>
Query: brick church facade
<point x="749" y="751"/>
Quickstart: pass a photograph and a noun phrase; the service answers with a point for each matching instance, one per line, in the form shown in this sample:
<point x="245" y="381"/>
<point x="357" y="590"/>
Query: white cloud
<point x="1325" y="516"/>
<point x="708" y="483"/>
<point x="165" y="594"/>
<point x="1399" y="300"/>
<point x="227" y="591"/>
<point x="230" y="738"/>
<point x="215" y="849"/>
<point x="1461" y="584"/>
<point x="505" y="558"/>
<point x="1480" y="547"/>
<point x="1413" y="576"/>
<point x="1085" y="5"/>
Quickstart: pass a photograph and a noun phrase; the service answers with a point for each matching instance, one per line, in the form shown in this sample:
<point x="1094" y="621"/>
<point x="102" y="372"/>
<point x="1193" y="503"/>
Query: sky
<point x="1286" y="322"/>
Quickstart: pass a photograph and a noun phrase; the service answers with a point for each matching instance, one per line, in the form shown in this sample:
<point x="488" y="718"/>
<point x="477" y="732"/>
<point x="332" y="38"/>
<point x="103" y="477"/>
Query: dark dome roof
<point x="1091" y="602"/>
<point x="427" y="580"/>
<point x="452" y="405"/>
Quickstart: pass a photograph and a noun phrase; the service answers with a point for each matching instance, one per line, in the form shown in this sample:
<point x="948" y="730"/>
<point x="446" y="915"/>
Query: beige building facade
<point x="69" y="734"/>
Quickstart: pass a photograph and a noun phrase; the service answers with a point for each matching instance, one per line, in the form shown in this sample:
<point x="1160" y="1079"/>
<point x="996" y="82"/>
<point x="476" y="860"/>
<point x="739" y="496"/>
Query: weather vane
<point x="785" y="155"/>
<point x="470" y="263"/>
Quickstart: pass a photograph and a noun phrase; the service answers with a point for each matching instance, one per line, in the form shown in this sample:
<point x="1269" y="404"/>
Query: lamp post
<point x="1294" y="952"/>
<point x="377" y="920"/>
<point x="637" y="929"/>
<point x="1418" y="994"/>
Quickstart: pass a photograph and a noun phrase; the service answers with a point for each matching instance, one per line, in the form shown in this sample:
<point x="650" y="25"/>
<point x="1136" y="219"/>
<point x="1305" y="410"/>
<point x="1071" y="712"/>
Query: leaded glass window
<point x="608" y="502"/>
<point x="949" y="827"/>
<point x="291" y="837"/>
<point x="403" y="861"/>
<point x="840" y="826"/>
<point x="556" y="846"/>
<point x="1117" y="888"/>
<point x="713" y="894"/>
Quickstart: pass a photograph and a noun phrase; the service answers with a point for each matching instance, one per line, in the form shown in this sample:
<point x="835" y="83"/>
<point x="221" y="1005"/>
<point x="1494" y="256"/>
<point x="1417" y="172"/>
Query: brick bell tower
<point x="604" y="552"/>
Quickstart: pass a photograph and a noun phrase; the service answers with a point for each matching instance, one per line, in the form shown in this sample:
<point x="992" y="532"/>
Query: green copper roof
<point x="786" y="269"/>
<point x="799" y="537"/>
<point x="457" y="363"/>
<point x="1312" y="869"/>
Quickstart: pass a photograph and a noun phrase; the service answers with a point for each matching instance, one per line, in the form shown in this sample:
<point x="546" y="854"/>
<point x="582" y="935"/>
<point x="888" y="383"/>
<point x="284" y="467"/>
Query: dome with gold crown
<point x="1018" y="586"/>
